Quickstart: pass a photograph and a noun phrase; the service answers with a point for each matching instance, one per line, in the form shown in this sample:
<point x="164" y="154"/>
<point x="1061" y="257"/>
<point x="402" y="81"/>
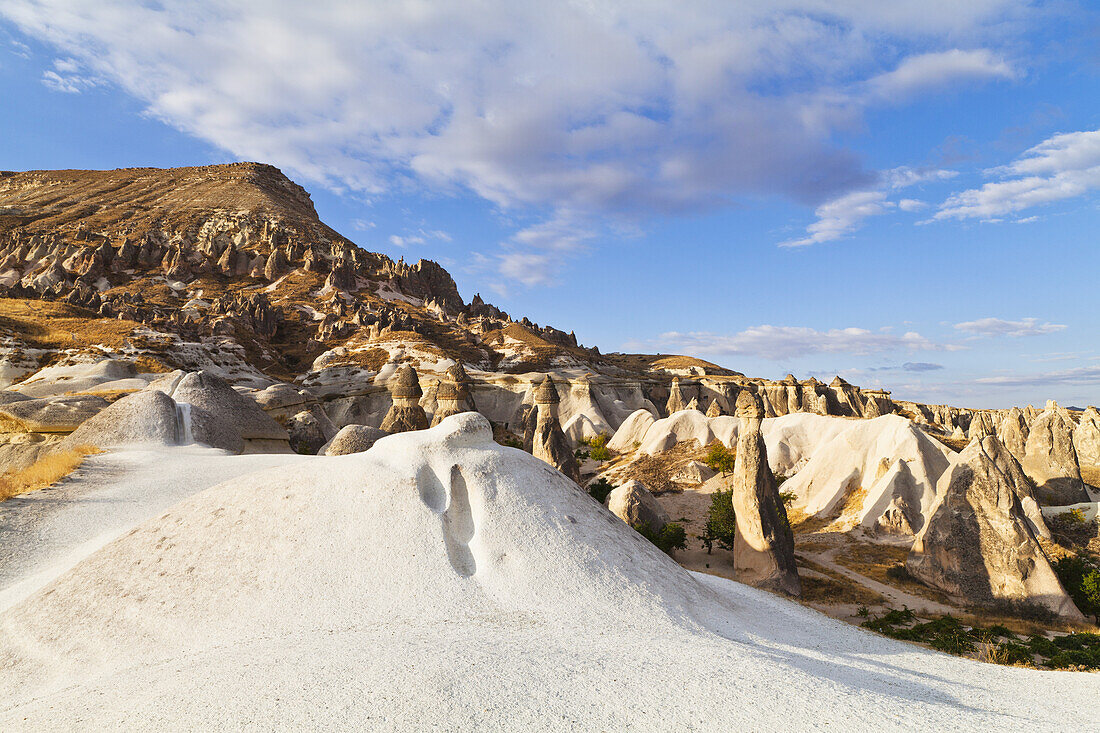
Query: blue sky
<point x="903" y="193"/>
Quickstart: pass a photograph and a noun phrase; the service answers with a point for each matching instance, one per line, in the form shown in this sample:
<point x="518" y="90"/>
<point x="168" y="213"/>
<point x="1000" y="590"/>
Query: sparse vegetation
<point x="670" y="537"/>
<point x="44" y="472"/>
<point x="1081" y="579"/>
<point x="999" y="644"/>
<point x="599" y="489"/>
<point x="598" y="445"/>
<point x="720" y="458"/>
<point x="721" y="524"/>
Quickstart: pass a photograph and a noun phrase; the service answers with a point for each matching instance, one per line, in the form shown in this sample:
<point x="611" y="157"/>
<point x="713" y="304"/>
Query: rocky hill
<point x="228" y="268"/>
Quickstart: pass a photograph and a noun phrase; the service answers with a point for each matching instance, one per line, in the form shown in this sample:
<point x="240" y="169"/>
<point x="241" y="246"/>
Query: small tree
<point x="720" y="458"/>
<point x="670" y="537"/>
<point x="721" y="522"/>
<point x="599" y="489"/>
<point x="1082" y="582"/>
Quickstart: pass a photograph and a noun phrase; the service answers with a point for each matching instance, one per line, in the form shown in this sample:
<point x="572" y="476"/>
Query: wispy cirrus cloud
<point x="842" y="216"/>
<point x="986" y="327"/>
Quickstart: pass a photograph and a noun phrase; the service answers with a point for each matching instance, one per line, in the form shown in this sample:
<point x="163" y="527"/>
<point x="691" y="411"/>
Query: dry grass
<point x="834" y="588"/>
<point x="873" y="560"/>
<point x="44" y="472"/>
<point x="955" y="444"/>
<point x="48" y="325"/>
<point x="1091" y="476"/>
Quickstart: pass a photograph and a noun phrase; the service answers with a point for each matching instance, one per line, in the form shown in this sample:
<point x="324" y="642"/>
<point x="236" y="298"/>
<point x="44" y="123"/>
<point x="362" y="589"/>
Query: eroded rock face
<point x="633" y="504"/>
<point x="1051" y="461"/>
<point x="145" y="417"/>
<point x="1013" y="432"/>
<point x="675" y="398"/>
<point x="764" y="544"/>
<point x="305" y="432"/>
<point x="978" y="543"/>
<point x="1086" y="438"/>
<point x="48" y="415"/>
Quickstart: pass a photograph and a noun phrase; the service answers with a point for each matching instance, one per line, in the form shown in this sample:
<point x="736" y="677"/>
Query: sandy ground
<point x="44" y="533"/>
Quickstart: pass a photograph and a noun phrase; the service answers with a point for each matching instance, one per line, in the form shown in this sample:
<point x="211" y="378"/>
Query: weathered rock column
<point x="406" y="413"/>
<point x="763" y="551"/>
<point x="549" y="443"/>
<point x="675" y="399"/>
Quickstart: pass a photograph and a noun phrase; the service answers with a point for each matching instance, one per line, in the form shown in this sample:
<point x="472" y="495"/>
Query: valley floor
<point x="754" y="661"/>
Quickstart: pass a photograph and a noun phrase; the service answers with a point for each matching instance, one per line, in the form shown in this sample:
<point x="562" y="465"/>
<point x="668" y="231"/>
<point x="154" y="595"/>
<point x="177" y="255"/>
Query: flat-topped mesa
<point x="764" y="543"/>
<point x="405" y="413"/>
<point x="548" y="442"/>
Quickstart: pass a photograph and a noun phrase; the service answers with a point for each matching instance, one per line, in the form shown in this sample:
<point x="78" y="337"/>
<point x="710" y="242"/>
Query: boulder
<point x="146" y="417"/>
<point x="352" y="439"/>
<point x="632" y="432"/>
<point x="305" y="433"/>
<point x="633" y="504"/>
<point x="213" y="394"/>
<point x="763" y="552"/>
<point x="693" y="472"/>
<point x="48" y="415"/>
<point x="1051" y="461"/>
<point x="978" y="543"/>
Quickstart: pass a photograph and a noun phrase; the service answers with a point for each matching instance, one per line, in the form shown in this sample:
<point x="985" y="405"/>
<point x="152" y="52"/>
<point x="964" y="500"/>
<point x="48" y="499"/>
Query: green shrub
<point x="600" y="453"/>
<point x="898" y="572"/>
<point x="670" y="537"/>
<point x="1082" y="581"/>
<point x="720" y="458"/>
<point x="787" y="497"/>
<point x="599" y="489"/>
<point x="721" y="522"/>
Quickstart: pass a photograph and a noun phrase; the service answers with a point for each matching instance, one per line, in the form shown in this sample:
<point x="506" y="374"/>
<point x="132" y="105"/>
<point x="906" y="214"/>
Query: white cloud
<point x="595" y="106"/>
<point x="785" y="342"/>
<point x="421" y="236"/>
<point x="984" y="327"/>
<point x="843" y="215"/>
<point x="69" y="77"/>
<point x="937" y="70"/>
<point x="1064" y="166"/>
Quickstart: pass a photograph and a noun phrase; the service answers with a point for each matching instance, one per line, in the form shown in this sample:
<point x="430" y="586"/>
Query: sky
<point x="906" y="194"/>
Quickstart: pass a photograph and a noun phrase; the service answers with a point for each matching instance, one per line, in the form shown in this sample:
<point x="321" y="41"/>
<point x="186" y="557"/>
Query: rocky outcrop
<point x="633" y="504"/>
<point x="1013" y="432"/>
<point x="406" y="413"/>
<point x="548" y="442"/>
<point x="1086" y="438"/>
<point x="764" y="543"/>
<point x="305" y="433"/>
<point x="146" y="417"/>
<point x="715" y="409"/>
<point x="353" y="439"/>
<point x="979" y="544"/>
<point x="48" y="415"/>
<point x="1050" y="459"/>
